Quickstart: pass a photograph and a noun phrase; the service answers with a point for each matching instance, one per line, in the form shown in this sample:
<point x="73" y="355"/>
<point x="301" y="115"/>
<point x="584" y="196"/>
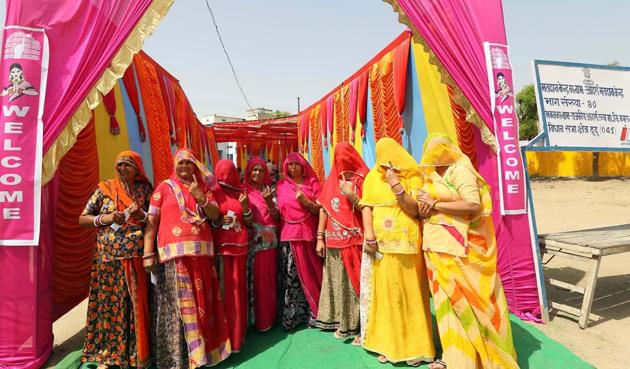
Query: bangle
<point x="146" y="216"/>
<point x="204" y="204"/>
<point x="434" y="204"/>
<point x="321" y="233"/>
<point x="247" y="215"/>
<point x="371" y="242"/>
<point x="148" y="256"/>
<point x="96" y="221"/>
<point x="394" y="185"/>
<point x="399" y="193"/>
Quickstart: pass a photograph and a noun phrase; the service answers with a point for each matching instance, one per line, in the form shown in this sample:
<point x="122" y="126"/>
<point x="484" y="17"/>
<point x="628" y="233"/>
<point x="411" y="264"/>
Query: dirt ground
<point x="560" y="205"/>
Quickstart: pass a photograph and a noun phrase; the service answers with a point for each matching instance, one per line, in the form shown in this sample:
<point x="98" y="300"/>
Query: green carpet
<point x="312" y="348"/>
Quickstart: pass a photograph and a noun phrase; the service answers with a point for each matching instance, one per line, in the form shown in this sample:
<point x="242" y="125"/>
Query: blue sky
<point x="285" y="49"/>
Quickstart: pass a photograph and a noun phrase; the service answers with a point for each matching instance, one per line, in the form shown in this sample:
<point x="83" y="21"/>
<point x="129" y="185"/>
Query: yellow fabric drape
<point x="109" y="145"/>
<point x="121" y="61"/>
<point x="435" y="101"/>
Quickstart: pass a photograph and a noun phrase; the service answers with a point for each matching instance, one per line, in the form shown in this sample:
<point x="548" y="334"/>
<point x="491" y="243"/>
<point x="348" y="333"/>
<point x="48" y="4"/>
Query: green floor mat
<point x="315" y="349"/>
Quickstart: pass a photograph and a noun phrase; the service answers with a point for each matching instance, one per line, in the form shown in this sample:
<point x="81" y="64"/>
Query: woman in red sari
<point x="263" y="253"/>
<point x="340" y="241"/>
<point x="297" y="193"/>
<point x="230" y="235"/>
<point x="190" y="327"/>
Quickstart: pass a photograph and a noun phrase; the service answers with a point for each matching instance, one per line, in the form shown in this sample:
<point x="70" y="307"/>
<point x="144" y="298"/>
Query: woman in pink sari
<point x="230" y="236"/>
<point x="297" y="193"/>
<point x="263" y="243"/>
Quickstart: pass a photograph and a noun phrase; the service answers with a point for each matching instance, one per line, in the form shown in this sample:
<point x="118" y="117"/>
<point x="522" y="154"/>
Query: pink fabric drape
<point x="455" y="31"/>
<point x="83" y="36"/>
<point x="330" y="111"/>
<point x="129" y="81"/>
<point x="352" y="113"/>
<point x="109" y="101"/>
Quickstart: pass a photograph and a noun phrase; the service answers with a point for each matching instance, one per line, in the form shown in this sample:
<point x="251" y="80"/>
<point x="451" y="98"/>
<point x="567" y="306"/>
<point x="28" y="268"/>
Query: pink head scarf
<point x="290" y="209"/>
<point x="256" y="199"/>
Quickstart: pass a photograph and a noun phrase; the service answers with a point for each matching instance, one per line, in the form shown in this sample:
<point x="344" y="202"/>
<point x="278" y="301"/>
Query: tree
<point x="527" y="112"/>
<point x="281" y="114"/>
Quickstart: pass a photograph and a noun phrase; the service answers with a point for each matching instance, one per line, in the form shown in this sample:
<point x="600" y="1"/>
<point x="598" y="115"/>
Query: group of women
<point x="359" y="255"/>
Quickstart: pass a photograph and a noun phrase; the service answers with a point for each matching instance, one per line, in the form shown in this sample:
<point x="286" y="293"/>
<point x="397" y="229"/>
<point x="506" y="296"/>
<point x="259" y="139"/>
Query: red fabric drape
<point x="465" y="130"/>
<point x="168" y="102"/>
<point x="401" y="58"/>
<point x="109" y="101"/>
<point x="129" y="81"/>
<point x="74" y="245"/>
<point x="362" y="99"/>
<point x="156" y="116"/>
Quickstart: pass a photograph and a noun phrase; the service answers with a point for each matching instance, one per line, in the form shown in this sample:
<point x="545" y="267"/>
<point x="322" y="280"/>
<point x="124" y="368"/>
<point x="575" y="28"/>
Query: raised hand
<point x="196" y="191"/>
<point x="244" y="200"/>
<point x="268" y="193"/>
<point x="299" y="195"/>
<point x="346" y="188"/>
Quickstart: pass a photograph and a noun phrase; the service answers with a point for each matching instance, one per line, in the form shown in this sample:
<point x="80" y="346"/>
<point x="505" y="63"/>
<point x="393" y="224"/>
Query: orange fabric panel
<point x="317" y="153"/>
<point x="157" y="120"/>
<point x="464" y="129"/>
<point x="387" y="121"/>
<point x="73" y="246"/>
<point x="342" y="110"/>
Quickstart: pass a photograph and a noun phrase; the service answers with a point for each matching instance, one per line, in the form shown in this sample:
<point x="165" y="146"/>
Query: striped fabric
<point x="470" y="307"/>
<point x="188" y="311"/>
<point x="185" y="248"/>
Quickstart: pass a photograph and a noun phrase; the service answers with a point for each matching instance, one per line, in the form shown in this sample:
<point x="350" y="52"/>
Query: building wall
<point x="577" y="164"/>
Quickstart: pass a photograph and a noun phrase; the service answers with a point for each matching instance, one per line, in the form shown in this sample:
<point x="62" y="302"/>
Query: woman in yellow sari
<point x="461" y="258"/>
<point x="398" y="317"/>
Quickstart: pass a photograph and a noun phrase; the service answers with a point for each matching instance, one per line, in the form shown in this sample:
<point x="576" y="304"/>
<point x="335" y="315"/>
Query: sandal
<point x="382" y="359"/>
<point x="357" y="341"/>
<point x="414" y="363"/>
<point x="437" y="364"/>
<point x="102" y="366"/>
<point x="340" y="336"/>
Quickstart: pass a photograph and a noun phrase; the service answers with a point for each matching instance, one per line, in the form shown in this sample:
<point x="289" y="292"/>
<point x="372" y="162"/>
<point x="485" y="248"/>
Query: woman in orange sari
<point x="191" y="329"/>
<point x="117" y="330"/>
<point x="461" y="256"/>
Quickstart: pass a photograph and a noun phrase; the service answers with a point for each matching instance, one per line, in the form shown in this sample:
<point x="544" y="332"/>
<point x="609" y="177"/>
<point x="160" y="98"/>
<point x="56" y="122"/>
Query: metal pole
<point x="298" y="104"/>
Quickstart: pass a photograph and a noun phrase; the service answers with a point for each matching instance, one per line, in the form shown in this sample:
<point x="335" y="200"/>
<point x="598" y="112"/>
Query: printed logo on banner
<point x="512" y="189"/>
<point x="23" y="73"/>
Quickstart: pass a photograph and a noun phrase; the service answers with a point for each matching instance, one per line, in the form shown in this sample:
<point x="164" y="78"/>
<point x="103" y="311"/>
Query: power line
<point x="227" y="55"/>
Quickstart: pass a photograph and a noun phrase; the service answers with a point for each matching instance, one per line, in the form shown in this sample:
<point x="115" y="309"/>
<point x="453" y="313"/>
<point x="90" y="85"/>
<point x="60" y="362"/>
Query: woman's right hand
<point x="227" y="220"/>
<point x="115" y="217"/>
<point x="321" y="248"/>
